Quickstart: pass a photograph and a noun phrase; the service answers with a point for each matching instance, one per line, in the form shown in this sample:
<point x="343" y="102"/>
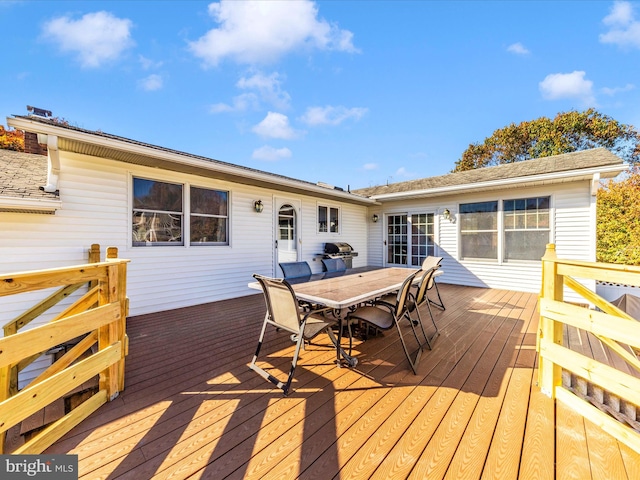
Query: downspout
<point x="53" y="164"/>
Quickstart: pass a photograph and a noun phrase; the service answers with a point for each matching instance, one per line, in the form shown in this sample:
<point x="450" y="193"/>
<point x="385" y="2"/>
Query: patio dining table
<point x="346" y="291"/>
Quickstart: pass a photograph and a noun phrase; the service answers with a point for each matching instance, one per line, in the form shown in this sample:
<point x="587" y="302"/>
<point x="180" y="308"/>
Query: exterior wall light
<point x="258" y="206"/>
<point x="375" y="217"/>
<point x="446" y="214"/>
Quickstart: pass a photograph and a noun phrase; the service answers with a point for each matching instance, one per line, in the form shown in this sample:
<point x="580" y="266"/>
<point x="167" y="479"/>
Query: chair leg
<point x="412" y="363"/>
<point x="424" y="334"/>
<point x="437" y="332"/>
<point x="439" y="303"/>
<point x="284" y="386"/>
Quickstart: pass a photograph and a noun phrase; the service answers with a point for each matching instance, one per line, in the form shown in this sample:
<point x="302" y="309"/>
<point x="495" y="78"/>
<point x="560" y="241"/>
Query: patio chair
<point x="420" y="298"/>
<point x="334" y="265"/>
<point x="428" y="263"/>
<point x="295" y="270"/>
<point x="284" y="313"/>
<point x="384" y="316"/>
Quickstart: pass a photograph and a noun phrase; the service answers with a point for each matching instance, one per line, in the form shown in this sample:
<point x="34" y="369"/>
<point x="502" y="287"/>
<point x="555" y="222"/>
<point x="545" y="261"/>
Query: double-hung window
<point x="157" y="213"/>
<point x="209" y="217"/>
<point x="479" y="230"/>
<point x="328" y="219"/>
<point x="526" y="228"/>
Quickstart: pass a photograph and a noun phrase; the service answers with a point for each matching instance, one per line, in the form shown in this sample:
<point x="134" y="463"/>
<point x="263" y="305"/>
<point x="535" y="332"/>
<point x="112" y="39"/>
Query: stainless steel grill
<point x="340" y="250"/>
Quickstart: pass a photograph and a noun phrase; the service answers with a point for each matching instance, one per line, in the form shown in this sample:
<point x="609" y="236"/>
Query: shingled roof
<point x="22" y="175"/>
<point x="575" y="161"/>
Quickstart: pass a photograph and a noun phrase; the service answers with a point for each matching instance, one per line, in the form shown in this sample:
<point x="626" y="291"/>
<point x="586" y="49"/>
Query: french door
<point x="410" y="239"/>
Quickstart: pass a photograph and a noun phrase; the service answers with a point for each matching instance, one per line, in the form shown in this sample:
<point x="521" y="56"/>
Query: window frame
<point x="526" y="215"/>
<point x="495" y="231"/>
<point x="134" y="209"/>
<point x="186" y="214"/>
<point x="328" y="209"/>
<point x="502" y="230"/>
<point x="226" y="217"/>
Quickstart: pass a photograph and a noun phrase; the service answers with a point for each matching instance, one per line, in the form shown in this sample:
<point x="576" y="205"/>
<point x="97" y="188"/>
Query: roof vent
<point x="39" y="112"/>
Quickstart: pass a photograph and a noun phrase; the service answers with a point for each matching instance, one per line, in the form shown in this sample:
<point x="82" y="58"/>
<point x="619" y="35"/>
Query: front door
<point x="287" y="223"/>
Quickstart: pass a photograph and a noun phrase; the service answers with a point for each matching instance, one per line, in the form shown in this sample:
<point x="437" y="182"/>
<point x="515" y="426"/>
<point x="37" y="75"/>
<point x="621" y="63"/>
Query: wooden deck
<point x="192" y="408"/>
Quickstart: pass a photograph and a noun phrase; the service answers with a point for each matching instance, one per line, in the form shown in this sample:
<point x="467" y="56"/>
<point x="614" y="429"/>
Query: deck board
<point x="193" y="409"/>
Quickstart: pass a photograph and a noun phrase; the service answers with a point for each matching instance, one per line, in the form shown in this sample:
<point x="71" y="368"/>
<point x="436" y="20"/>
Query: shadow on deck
<point x="192" y="408"/>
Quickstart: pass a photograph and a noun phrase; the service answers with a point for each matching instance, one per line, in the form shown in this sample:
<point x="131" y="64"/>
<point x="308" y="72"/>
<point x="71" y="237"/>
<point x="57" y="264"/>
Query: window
<point x="209" y="217"/>
<point x="479" y="230"/>
<point x="328" y="219"/>
<point x="157" y="213"/>
<point x="422" y="239"/>
<point x="526" y="228"/>
<point x="287" y="228"/>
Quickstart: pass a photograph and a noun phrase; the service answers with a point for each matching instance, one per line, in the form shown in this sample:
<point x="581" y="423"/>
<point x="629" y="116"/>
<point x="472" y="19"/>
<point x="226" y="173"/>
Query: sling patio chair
<point x="420" y="298"/>
<point x="334" y="265"/>
<point x="384" y="316"/>
<point x="295" y="270"/>
<point x="284" y="313"/>
<point x="428" y="263"/>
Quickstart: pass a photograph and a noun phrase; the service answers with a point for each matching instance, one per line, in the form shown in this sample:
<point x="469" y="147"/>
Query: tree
<point x="567" y="132"/>
<point x="618" y="225"/>
<point x="11" y="139"/>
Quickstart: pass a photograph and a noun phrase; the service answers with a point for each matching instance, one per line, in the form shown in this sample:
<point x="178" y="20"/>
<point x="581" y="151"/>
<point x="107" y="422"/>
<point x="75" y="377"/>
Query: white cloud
<point x="518" y="49"/>
<point x="370" y="166"/>
<point x="403" y="173"/>
<point x="259" y="32"/>
<point x="152" y="82"/>
<point x="615" y="90"/>
<point x="275" y="125"/>
<point x="241" y="103"/>
<point x="624" y="29"/>
<point x="268" y="86"/>
<point x="331" y="115"/>
<point x="271" y="154"/>
<point x="96" y="38"/>
<point x="568" y="85"/>
<point x="147" y="63"/>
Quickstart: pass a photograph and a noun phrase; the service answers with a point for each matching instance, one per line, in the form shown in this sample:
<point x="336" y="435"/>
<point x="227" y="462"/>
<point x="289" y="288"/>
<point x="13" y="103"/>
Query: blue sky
<point x="350" y="93"/>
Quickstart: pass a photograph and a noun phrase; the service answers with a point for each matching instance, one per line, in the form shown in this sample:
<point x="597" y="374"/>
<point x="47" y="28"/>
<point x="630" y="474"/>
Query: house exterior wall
<point x="572" y="230"/>
<point x="96" y="208"/>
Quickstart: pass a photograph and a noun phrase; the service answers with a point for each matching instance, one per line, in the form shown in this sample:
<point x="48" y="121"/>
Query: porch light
<point x="258" y="206"/>
<point x="375" y="217"/>
<point x="446" y="214"/>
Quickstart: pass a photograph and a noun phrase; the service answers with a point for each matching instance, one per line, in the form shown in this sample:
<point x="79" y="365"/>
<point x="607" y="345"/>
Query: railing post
<point x="550" y="374"/>
<point x="121" y="331"/>
<point x="109" y="334"/>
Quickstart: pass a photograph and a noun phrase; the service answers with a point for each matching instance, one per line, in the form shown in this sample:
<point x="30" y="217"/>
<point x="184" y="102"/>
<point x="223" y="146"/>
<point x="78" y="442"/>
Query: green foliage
<point x="11" y="139"/>
<point x="567" y="132"/>
<point x="618" y="225"/>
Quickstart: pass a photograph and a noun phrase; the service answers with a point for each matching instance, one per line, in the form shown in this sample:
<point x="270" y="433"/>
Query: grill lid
<point x="337" y="247"/>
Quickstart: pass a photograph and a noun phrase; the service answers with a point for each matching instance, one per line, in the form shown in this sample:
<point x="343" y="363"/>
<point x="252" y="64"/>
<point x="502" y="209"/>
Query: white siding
<point x="95" y="195"/>
<point x="573" y="231"/>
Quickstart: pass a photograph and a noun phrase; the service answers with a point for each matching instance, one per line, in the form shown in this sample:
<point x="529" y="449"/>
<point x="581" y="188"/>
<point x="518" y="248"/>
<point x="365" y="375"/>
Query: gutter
<point x="469" y="187"/>
<point x="182" y="159"/>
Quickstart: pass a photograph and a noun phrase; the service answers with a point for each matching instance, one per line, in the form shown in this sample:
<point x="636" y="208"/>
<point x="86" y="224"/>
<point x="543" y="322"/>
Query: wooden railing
<point x="96" y="320"/>
<point x="616" y="406"/>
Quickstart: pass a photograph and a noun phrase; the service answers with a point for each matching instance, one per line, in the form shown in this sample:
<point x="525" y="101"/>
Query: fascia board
<point x="29" y="204"/>
<point x="38" y="127"/>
